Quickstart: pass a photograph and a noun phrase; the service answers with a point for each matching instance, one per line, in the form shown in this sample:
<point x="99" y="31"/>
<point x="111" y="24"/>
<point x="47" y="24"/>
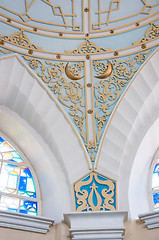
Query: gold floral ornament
<point x="92" y="145"/>
<point x="70" y="93"/>
<point x="108" y="91"/>
<point x="95" y="192"/>
<point x="88" y="47"/>
<point x="151" y="34"/>
<point x="20" y="39"/>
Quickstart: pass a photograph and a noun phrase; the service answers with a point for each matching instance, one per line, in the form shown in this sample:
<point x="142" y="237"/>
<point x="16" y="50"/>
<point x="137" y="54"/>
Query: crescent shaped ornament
<point x="71" y="75"/>
<point x="107" y="73"/>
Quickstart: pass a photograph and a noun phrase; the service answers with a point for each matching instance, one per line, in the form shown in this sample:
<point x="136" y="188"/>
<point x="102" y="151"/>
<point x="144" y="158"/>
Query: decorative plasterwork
<point x="108" y="91"/>
<point x="25" y="222"/>
<point x="108" y="84"/>
<point x="67" y="83"/>
<point x="151" y="34"/>
<point x="57" y="16"/>
<point x="96" y="225"/>
<point x="95" y="192"/>
<point x="88" y="47"/>
<point x="112" y="15"/>
<point x="57" y="75"/>
<point x="151" y="220"/>
<point x="20" y="39"/>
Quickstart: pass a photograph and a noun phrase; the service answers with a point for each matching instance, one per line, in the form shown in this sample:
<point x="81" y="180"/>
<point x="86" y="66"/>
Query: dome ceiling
<point x="84" y="54"/>
<point x="54" y="25"/>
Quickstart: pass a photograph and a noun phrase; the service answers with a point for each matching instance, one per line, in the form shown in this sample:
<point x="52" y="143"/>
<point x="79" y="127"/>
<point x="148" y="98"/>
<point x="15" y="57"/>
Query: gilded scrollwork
<point x="88" y="47"/>
<point x="76" y="68"/>
<point x="151" y="34"/>
<point x="95" y="192"/>
<point x="70" y="93"/>
<point x="108" y="91"/>
<point x="20" y="39"/>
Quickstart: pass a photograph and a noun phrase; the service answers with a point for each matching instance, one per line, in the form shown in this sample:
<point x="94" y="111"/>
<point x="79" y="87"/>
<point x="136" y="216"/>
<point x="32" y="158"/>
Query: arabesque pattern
<point x="95" y="192"/>
<point x="84" y="54"/>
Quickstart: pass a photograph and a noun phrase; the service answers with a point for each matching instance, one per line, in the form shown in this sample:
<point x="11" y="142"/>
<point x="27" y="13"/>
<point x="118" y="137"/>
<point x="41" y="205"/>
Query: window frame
<point x="31" y="168"/>
<point x="150" y="190"/>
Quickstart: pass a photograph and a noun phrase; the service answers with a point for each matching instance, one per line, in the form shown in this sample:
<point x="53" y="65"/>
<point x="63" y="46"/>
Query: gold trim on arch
<point x="116" y="107"/>
<point x="50" y="95"/>
<point x="56" y="53"/>
<point x="75" y="36"/>
<point x="20" y="39"/>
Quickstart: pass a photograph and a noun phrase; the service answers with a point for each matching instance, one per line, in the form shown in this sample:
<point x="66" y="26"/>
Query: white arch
<point x="135" y="115"/>
<point x="31" y="119"/>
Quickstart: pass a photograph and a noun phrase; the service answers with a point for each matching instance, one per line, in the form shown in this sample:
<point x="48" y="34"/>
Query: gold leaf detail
<point x="92" y="156"/>
<point x="70" y="93"/>
<point x="83" y="135"/>
<point x="151" y="34"/>
<point x="19" y="39"/>
<point x="88" y="47"/>
<point x="98" y="136"/>
<point x="108" y="91"/>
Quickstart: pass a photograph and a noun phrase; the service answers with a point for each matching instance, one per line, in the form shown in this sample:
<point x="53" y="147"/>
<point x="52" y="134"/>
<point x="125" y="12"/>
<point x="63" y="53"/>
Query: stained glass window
<point x="155" y="185"/>
<point x="17" y="187"/>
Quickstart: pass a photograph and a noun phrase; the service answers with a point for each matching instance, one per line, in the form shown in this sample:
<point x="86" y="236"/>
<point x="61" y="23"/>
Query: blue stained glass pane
<point x="22" y="183"/>
<point x="156" y="168"/>
<point x="27" y="172"/>
<point x="23" y="211"/>
<point x="1" y="139"/>
<point x="156" y="200"/>
<point x="17" y="157"/>
<point x="28" y="207"/>
<point x="27" y="194"/>
<point x="12" y="209"/>
<point x="9" y="176"/>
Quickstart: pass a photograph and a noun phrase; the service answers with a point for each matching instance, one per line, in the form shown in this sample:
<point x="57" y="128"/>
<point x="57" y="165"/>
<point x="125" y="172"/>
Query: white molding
<point x="151" y="220"/>
<point x="96" y="225"/>
<point x="25" y="222"/>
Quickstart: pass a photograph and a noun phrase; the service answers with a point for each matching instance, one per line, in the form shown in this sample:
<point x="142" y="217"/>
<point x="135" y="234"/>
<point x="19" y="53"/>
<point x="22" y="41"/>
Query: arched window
<point x="154" y="182"/>
<point x="155" y="185"/>
<point x="17" y="186"/>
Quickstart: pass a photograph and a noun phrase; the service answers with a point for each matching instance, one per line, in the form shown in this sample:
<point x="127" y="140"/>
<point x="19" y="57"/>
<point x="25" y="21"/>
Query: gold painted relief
<point x="53" y="10"/>
<point x="70" y="93"/>
<point x="151" y="34"/>
<point x="88" y="47"/>
<point x="114" y="5"/>
<point x="73" y="71"/>
<point x="20" y="39"/>
<point x="106" y="9"/>
<point x="95" y="192"/>
<point x="113" y="78"/>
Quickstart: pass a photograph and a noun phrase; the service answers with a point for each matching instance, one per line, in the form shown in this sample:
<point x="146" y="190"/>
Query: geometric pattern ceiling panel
<point x="58" y="16"/>
<point x="112" y="14"/>
<point x="46" y="14"/>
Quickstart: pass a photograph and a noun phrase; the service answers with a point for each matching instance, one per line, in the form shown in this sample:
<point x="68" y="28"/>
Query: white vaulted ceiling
<point x="37" y="41"/>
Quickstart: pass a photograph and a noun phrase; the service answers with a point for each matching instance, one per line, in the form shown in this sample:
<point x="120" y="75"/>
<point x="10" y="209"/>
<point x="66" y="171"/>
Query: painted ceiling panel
<point x="84" y="55"/>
